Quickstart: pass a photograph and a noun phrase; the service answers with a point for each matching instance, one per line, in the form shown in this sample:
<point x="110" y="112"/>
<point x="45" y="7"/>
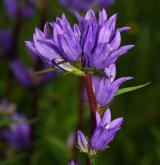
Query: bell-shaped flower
<point x="105" y="131"/>
<point x="103" y="134"/>
<point x="106" y="87"/>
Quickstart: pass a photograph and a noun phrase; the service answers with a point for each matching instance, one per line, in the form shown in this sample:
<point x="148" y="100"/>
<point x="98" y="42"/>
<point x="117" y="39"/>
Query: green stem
<point x="93" y="161"/>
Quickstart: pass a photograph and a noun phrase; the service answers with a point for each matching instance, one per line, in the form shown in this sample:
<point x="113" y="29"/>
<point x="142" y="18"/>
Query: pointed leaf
<point x="130" y="89"/>
<point x="44" y="71"/>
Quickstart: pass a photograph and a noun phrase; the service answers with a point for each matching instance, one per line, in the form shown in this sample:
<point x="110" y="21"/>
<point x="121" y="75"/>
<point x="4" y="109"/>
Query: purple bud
<point x="82" y="142"/>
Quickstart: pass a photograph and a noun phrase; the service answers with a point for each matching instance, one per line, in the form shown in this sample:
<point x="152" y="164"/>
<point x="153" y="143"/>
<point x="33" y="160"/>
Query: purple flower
<point x="5" y="41"/>
<point x="90" y="44"/>
<point x="25" y="75"/>
<point x="82" y="142"/>
<point x="107" y="86"/>
<point x="105" y="131"/>
<point x="25" y="8"/>
<point x="73" y="163"/>
<point x="103" y="134"/>
<point x="18" y="135"/>
<point x="74" y="5"/>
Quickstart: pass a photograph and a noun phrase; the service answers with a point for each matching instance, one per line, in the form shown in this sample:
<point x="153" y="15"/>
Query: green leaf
<point x="130" y="89"/>
<point x="44" y="71"/>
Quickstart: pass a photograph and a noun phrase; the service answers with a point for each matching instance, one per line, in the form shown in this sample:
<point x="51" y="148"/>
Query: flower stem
<point x="93" y="161"/>
<point x="92" y="100"/>
<point x="88" y="161"/>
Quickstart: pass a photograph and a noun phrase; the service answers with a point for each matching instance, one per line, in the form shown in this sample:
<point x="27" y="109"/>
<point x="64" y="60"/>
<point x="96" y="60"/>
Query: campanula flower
<point x="18" y="134"/>
<point x="106" y="87"/>
<point x="105" y="131"/>
<point x="103" y="134"/>
<point x="90" y="44"/>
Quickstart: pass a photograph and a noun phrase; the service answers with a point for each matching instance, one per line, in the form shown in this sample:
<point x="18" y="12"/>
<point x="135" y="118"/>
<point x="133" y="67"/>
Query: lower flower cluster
<point x="103" y="134"/>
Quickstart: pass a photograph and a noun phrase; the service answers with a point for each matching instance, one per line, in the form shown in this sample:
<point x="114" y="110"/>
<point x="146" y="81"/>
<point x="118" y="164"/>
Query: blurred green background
<point x="138" y="143"/>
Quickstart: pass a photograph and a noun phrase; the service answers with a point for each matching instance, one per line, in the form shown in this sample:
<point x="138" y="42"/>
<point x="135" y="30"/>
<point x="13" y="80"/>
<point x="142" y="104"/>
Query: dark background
<point x="138" y="143"/>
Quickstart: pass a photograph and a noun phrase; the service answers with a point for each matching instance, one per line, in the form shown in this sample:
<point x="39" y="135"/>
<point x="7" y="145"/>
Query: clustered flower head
<point x="25" y="8"/>
<point x="89" y="45"/>
<point x="81" y="5"/>
<point x="103" y="134"/>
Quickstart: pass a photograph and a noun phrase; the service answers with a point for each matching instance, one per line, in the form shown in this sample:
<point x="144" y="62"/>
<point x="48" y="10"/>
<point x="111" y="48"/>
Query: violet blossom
<point x="18" y="134"/>
<point x="90" y="44"/>
<point x="25" y="8"/>
<point x="103" y="134"/>
<point x="74" y="5"/>
<point x="106" y="87"/>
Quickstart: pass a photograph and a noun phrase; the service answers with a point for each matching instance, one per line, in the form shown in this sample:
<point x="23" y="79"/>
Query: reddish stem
<point x="92" y="104"/>
<point x="88" y="161"/>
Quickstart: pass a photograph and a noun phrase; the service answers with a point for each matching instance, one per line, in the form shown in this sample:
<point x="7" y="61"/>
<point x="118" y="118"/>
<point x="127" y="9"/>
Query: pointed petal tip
<point x="131" y="46"/>
<point x="124" y="28"/>
<point x="115" y="15"/>
<point x="129" y="78"/>
<point x="80" y="133"/>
